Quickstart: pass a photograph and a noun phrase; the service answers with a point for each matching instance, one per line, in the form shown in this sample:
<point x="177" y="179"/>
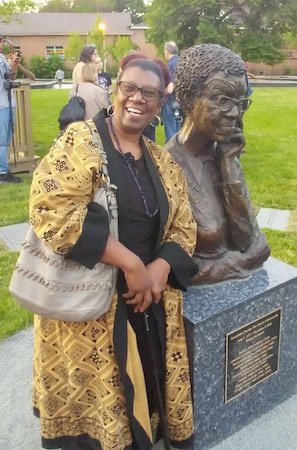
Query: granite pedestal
<point x="212" y="312"/>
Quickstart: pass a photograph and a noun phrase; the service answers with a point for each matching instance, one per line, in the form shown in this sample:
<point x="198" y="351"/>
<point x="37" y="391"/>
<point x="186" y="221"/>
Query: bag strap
<point x="76" y="90"/>
<point x="110" y="188"/>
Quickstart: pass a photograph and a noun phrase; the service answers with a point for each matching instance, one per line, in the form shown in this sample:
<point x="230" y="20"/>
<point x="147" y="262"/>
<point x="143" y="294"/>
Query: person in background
<point x="59" y="76"/>
<point x="95" y="97"/>
<point x="95" y="382"/>
<point x="87" y="55"/>
<point x="171" y="123"/>
<point x="8" y="70"/>
<point x="104" y="80"/>
<point x="250" y="90"/>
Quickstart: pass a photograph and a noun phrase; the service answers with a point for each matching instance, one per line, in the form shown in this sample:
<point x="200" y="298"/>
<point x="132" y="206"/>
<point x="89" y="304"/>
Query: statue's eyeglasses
<point x="148" y="94"/>
<point x="226" y="103"/>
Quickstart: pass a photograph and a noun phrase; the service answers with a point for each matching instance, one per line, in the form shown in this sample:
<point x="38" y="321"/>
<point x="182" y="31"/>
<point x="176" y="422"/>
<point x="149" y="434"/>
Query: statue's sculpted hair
<point x="199" y="63"/>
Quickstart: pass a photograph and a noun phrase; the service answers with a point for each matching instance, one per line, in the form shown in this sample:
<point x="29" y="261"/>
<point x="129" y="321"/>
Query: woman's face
<point x="219" y="110"/>
<point x="133" y="112"/>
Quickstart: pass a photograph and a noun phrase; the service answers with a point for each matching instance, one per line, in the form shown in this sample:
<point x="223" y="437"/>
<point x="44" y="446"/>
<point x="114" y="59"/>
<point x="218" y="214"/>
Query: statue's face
<point x="218" y="111"/>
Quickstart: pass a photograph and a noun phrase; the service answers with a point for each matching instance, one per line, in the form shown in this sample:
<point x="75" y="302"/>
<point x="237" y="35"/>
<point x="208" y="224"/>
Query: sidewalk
<point x="275" y="219"/>
<point x="19" y="430"/>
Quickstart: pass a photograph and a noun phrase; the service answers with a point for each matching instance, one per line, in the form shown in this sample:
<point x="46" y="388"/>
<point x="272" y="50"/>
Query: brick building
<point x="41" y="34"/>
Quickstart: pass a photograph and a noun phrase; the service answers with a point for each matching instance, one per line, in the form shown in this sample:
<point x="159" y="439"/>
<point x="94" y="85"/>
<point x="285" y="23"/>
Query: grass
<point x="283" y="245"/>
<point x="12" y="316"/>
<point x="270" y="163"/>
<point x="46" y="105"/>
<point x="270" y="166"/>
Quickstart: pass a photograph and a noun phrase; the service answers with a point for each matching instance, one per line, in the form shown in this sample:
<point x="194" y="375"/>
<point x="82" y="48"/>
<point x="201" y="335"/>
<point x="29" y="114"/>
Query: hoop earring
<point x="156" y="122"/>
<point x="110" y="110"/>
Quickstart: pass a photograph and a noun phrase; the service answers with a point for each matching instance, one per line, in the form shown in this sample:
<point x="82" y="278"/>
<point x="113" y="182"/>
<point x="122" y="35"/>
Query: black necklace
<point x="126" y="157"/>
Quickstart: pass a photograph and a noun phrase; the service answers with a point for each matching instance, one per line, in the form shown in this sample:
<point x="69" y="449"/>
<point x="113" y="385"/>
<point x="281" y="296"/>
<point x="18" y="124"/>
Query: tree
<point x="266" y="48"/>
<point x="46" y="67"/>
<point x="57" y="6"/>
<point x="96" y="36"/>
<point x="120" y="47"/>
<point x="136" y="8"/>
<point x="236" y="24"/>
<point x="93" y="6"/>
<point x="74" y="45"/>
<point x="7" y="8"/>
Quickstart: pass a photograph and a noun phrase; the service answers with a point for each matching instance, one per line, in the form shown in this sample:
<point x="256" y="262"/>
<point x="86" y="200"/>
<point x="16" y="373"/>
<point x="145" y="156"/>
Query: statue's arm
<point x="241" y="219"/>
<point x="233" y="264"/>
<point x="250" y="248"/>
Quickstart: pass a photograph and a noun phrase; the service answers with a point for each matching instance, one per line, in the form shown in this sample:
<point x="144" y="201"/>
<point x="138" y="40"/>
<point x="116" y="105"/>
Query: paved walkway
<point x="275" y="219"/>
<point x="19" y="429"/>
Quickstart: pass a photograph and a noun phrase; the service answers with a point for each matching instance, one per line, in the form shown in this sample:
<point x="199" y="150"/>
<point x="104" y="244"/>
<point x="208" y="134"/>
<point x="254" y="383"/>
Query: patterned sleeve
<point x="62" y="187"/>
<point x="180" y="232"/>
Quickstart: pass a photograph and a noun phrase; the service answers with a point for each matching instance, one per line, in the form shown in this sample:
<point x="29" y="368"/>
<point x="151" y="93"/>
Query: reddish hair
<point x="129" y="57"/>
<point x="165" y="71"/>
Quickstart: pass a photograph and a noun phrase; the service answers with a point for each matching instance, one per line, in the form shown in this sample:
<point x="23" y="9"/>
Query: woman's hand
<point x="157" y="273"/>
<point x="140" y="286"/>
<point x="159" y="270"/>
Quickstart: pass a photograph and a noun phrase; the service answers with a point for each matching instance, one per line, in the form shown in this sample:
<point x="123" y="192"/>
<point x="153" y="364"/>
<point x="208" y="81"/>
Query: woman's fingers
<point x="129" y="295"/>
<point x="147" y="300"/>
<point x="141" y="300"/>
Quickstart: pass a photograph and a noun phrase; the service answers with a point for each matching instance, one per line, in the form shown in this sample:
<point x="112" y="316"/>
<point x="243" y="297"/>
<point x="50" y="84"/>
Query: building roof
<point x="38" y="24"/>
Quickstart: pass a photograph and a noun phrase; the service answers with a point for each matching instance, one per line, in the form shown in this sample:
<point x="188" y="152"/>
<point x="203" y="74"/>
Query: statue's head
<point x="210" y="82"/>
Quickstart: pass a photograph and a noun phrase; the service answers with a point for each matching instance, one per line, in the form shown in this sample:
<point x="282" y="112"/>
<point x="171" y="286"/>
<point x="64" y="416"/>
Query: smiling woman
<point x="111" y="371"/>
<point x="211" y="85"/>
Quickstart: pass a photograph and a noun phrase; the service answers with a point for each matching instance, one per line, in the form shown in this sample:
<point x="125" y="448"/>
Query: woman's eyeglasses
<point x="226" y="103"/>
<point x="148" y="94"/>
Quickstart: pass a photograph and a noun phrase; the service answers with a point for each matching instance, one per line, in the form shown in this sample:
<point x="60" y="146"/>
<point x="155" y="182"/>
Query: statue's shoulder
<point x="174" y="149"/>
<point x="162" y="157"/>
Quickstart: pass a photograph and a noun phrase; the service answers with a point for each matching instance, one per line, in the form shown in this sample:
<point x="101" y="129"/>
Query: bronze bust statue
<point x="211" y="85"/>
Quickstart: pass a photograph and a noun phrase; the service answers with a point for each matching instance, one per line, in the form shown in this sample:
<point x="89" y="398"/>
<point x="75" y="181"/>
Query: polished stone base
<point x="213" y="311"/>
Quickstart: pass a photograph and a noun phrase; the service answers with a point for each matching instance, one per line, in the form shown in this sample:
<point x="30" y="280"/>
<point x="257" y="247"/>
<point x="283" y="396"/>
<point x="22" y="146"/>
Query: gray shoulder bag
<point x="51" y="286"/>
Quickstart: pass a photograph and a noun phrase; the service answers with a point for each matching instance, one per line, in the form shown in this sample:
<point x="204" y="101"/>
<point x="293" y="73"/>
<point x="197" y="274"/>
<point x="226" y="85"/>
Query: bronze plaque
<point x="252" y="354"/>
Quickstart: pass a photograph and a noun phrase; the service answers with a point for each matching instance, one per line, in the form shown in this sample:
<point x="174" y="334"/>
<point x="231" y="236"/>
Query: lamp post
<point x="102" y="29"/>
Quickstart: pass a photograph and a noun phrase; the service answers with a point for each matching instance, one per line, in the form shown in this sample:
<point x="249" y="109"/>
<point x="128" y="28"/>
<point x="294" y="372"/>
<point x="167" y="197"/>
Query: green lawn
<point x="270" y="165"/>
<point x="46" y="105"/>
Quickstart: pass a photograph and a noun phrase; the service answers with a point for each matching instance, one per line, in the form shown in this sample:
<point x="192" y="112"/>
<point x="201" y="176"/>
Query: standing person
<point x="94" y="385"/>
<point x="7" y="112"/>
<point x="95" y="97"/>
<point x="171" y="122"/>
<point x="88" y="54"/>
<point x="59" y="75"/>
<point x="104" y="80"/>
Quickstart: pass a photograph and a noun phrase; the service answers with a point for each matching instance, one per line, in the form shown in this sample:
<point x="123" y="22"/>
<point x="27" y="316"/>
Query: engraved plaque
<point x="252" y="354"/>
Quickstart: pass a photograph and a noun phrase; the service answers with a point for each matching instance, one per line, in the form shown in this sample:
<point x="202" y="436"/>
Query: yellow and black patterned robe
<point x="82" y="385"/>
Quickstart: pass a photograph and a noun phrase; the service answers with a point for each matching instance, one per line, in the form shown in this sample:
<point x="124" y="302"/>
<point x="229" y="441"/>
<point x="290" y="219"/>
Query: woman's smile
<point x="134" y="112"/>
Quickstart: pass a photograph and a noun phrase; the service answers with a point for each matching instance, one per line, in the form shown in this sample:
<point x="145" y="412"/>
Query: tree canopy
<point x="135" y="7"/>
<point x="8" y="8"/>
<point x="251" y="27"/>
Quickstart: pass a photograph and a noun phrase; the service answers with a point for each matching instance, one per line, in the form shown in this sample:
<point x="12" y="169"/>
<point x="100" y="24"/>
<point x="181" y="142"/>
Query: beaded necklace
<point x="125" y="157"/>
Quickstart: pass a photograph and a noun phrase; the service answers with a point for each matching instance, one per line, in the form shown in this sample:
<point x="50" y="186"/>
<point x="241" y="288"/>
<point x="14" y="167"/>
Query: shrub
<point x="46" y="67"/>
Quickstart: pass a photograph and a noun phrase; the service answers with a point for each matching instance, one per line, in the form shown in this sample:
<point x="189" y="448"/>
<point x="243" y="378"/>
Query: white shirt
<point x="5" y="68"/>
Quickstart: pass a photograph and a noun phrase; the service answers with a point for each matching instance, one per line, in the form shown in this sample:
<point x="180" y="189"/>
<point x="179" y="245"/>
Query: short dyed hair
<point x="145" y="64"/>
<point x="132" y="54"/>
<point x="197" y="65"/>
